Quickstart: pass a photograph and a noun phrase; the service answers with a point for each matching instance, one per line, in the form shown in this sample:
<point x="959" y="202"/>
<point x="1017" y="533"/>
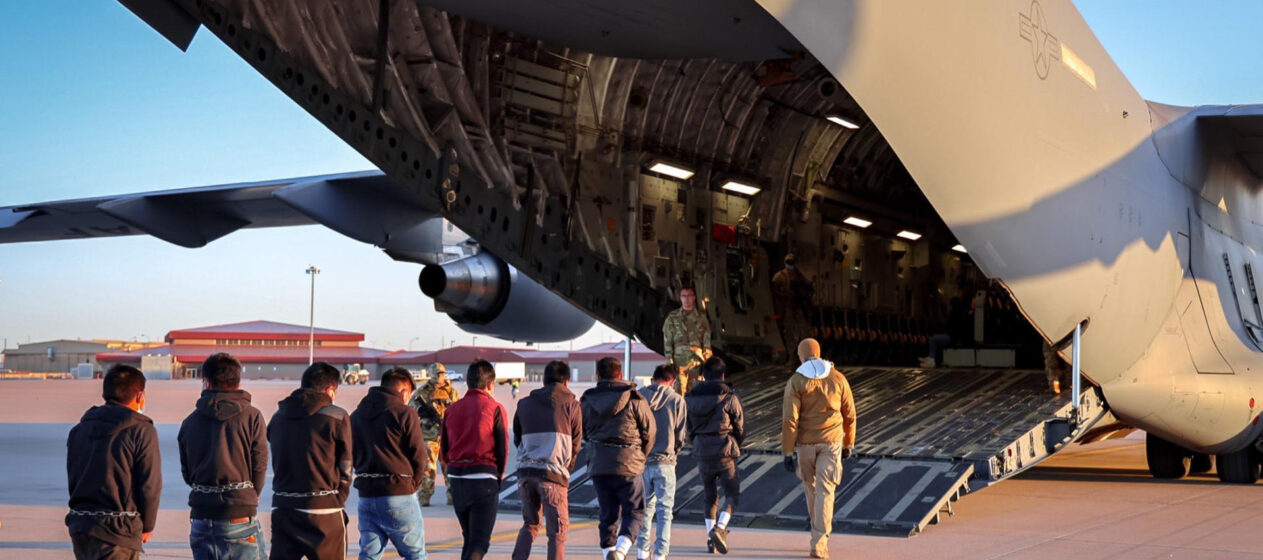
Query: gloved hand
<point x="790" y="465"/>
<point x="846" y="453"/>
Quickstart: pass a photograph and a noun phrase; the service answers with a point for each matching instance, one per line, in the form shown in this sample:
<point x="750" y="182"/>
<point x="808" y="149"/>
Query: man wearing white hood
<point x="818" y="432"/>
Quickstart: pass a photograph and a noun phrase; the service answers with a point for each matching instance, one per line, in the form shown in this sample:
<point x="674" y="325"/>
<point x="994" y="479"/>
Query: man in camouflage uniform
<point x="431" y="401"/>
<point x="686" y="339"/>
<point x="792" y="294"/>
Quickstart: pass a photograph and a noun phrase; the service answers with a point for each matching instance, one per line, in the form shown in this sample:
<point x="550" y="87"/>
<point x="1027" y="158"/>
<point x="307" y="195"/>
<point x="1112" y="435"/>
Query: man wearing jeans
<point x="224" y="459"/>
<point x="817" y="424"/>
<point x="475" y="448"/>
<point x="669" y="414"/>
<point x="390" y="459"/>
<point x="618" y="423"/>
<point x="547" y="430"/>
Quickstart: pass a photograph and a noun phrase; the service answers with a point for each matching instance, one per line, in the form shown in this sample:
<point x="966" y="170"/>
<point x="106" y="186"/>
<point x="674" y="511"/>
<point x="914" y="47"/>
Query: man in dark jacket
<point x="669" y="414"/>
<point x="547" y="430"/>
<point x="475" y="447"/>
<point x="618" y="423"/>
<point x="114" y="471"/>
<point x="717" y="429"/>
<point x="390" y="459"/>
<point x="311" y="464"/>
<point x="224" y="460"/>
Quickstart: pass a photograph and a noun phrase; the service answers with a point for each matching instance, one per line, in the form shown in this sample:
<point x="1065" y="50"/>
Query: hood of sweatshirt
<point x="657" y="396"/>
<point x="303" y="402"/>
<point x="609" y="398"/>
<point x="104" y="420"/>
<point x="707" y="396"/>
<point x="815" y="368"/>
<point x="223" y="404"/>
<point x="551" y="395"/>
<point x="378" y="401"/>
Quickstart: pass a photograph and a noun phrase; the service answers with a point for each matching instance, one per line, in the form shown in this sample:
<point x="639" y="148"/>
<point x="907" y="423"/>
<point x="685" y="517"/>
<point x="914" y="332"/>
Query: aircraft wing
<point x="193" y="217"/>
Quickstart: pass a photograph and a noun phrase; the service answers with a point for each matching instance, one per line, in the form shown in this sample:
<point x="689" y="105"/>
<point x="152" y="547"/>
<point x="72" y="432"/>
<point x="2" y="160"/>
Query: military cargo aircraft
<point x="908" y="153"/>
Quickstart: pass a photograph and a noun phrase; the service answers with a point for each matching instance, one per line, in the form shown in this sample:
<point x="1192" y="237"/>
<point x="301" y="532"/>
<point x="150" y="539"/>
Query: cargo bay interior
<point x="614" y="179"/>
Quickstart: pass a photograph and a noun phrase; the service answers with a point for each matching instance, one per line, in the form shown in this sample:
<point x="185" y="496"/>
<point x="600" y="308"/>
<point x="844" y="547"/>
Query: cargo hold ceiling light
<point x="910" y="236"/>
<point x="838" y="120"/>
<point x="741" y="187"/>
<point x="959" y="248"/>
<point x="857" y="222"/>
<point x="670" y="169"/>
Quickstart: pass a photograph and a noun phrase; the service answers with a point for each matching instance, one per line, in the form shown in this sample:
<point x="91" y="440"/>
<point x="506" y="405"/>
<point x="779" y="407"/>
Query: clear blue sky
<point x="93" y="102"/>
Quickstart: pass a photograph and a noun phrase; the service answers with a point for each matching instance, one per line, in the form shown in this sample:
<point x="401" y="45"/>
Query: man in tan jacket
<point x="818" y="424"/>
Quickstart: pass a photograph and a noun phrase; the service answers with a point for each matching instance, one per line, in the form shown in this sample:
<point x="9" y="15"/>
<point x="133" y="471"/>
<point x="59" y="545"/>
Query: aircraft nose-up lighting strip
<point x="670" y="169"/>
<point x="835" y="119"/>
<point x="857" y="222"/>
<point x="741" y="187"/>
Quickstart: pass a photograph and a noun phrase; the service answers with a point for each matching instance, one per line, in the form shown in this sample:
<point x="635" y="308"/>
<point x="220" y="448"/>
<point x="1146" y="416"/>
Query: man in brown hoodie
<point x="817" y="429"/>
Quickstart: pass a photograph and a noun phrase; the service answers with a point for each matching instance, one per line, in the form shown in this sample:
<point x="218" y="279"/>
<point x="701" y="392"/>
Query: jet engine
<point x="484" y="295"/>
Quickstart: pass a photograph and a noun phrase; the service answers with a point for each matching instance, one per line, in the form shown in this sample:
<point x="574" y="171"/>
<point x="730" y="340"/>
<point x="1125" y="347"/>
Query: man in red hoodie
<point x="475" y="448"/>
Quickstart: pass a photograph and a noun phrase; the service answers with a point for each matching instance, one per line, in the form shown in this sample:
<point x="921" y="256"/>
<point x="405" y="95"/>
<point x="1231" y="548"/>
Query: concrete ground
<point x="1094" y="501"/>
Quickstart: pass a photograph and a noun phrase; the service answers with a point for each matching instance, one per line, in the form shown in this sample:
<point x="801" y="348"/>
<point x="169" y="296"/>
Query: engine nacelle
<point x="484" y="295"/>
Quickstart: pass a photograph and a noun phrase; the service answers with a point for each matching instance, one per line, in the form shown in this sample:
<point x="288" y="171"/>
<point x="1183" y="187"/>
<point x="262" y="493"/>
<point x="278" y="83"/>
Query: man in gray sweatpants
<point x="669" y="413"/>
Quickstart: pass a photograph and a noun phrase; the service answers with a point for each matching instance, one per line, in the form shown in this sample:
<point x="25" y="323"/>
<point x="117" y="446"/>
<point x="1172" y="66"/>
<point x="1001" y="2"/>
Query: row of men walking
<point x="115" y="478"/>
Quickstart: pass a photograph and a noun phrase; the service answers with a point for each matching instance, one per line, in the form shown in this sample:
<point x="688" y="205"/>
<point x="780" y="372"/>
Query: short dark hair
<point x="396" y="378"/>
<point x="321" y="376"/>
<point x="664" y="372"/>
<point x="608" y="367"/>
<point x="556" y="371"/>
<point x="713" y="369"/>
<point x="222" y="371"/>
<point x="123" y="384"/>
<point x="481" y="374"/>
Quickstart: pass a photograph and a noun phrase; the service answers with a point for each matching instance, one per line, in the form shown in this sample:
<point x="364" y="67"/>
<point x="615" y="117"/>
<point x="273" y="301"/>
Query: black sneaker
<point x="710" y="546"/>
<point x="720" y="538"/>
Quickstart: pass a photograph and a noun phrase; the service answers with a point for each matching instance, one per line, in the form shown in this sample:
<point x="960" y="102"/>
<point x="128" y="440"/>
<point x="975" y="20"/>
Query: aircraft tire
<point x="1239" y="467"/>
<point x="1166" y="459"/>
<point x="1202" y="463"/>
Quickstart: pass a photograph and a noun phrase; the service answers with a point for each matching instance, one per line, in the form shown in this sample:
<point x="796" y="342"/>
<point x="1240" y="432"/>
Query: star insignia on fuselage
<point x="1045" y="48"/>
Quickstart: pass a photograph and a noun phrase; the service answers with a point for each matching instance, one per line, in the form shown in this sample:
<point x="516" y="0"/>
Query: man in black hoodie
<point x="618" y="424"/>
<point x="114" y="472"/>
<point x="311" y="464"/>
<point x="717" y="429"/>
<point x="224" y="460"/>
<point x="390" y="459"/>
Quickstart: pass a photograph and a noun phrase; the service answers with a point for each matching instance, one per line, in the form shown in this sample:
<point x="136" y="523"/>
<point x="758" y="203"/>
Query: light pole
<point x="311" y="333"/>
<point x="475" y="342"/>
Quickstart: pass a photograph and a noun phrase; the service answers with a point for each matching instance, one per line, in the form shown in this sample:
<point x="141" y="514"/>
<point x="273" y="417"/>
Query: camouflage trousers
<point x="687" y="378"/>
<point x="426" y="489"/>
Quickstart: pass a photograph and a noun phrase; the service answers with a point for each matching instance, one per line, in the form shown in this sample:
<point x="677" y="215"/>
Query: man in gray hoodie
<point x="669" y="414"/>
<point x="618" y="424"/>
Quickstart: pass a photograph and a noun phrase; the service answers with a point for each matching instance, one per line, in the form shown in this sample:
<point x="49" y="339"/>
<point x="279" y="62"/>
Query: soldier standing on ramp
<point x="431" y="402"/>
<point x="686" y="338"/>
<point x="792" y="295"/>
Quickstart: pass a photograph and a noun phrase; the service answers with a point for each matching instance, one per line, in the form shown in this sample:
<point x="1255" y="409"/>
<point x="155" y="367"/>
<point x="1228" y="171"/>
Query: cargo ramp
<point x="926" y="438"/>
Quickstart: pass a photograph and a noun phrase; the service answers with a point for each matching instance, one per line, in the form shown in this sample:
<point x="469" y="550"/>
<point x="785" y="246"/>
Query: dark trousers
<point x="296" y="534"/>
<point x="718" y="474"/>
<point x="553" y="500"/>
<point x="619" y="498"/>
<point x="92" y="548"/>
<point x="476" y="501"/>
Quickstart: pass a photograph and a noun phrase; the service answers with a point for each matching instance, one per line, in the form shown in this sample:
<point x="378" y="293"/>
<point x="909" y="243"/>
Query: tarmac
<point x="1092" y="501"/>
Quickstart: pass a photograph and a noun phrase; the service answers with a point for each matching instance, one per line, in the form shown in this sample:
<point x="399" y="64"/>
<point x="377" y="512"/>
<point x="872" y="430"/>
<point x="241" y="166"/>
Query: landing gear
<point x="1202" y="463"/>
<point x="1168" y="460"/>
<point x="1239" y="467"/>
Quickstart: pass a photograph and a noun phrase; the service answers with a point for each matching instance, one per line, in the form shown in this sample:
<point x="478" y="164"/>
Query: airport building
<point x="64" y="356"/>
<point x="266" y="349"/>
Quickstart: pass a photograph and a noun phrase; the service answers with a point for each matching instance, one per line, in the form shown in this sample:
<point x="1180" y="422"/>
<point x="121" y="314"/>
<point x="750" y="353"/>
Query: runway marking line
<point x="454" y="543"/>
